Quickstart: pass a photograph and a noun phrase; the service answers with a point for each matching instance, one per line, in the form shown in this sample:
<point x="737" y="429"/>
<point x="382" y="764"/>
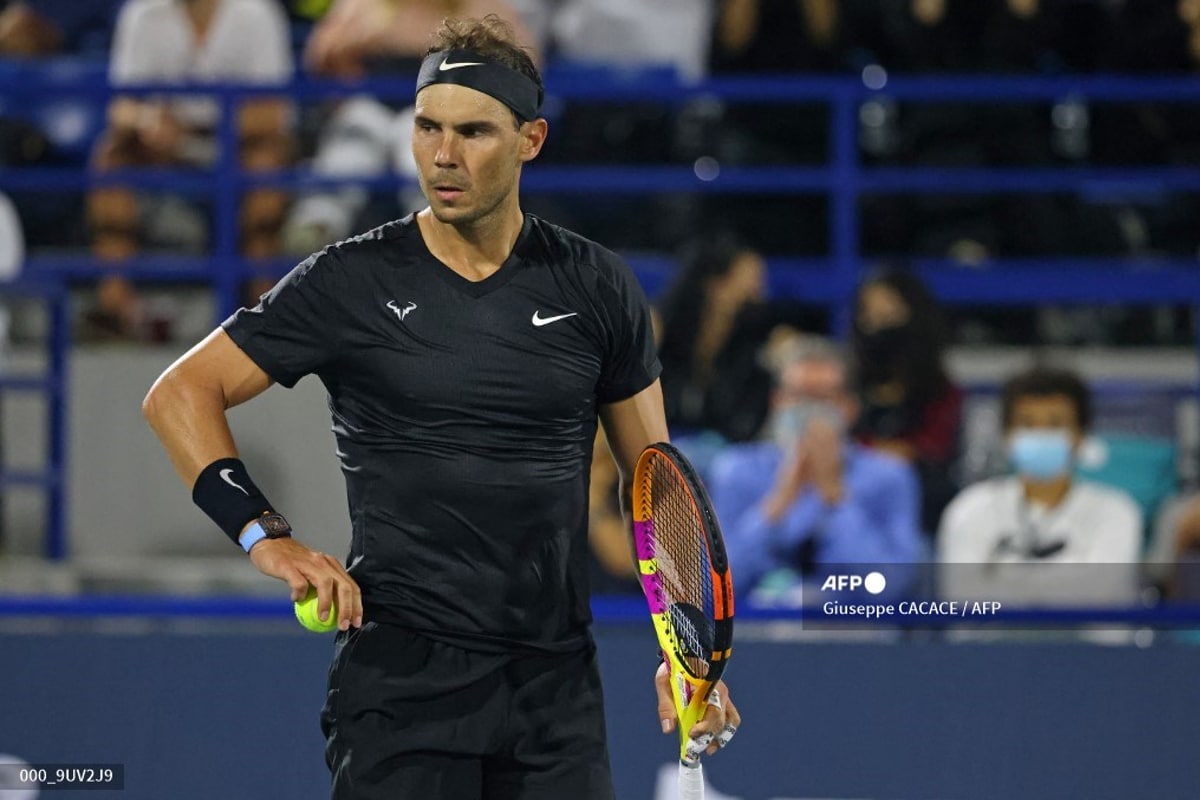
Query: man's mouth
<point x="446" y="191"/>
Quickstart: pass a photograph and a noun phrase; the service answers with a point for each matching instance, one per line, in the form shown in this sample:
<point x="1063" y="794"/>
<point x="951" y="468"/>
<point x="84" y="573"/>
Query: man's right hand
<point x="300" y="566"/>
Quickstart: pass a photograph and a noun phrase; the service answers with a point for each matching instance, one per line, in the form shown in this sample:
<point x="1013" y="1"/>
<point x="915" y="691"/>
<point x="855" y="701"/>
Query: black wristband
<point x="225" y="492"/>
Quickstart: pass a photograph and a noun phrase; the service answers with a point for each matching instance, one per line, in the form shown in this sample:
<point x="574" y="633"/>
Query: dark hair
<point x="492" y="38"/>
<point x="1043" y="382"/>
<point x="919" y="367"/>
<point x="682" y="305"/>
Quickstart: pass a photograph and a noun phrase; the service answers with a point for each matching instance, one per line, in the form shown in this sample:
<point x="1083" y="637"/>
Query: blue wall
<point x="209" y="715"/>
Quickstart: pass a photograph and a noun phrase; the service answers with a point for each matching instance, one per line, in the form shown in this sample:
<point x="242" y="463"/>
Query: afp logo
<point x="873" y="582"/>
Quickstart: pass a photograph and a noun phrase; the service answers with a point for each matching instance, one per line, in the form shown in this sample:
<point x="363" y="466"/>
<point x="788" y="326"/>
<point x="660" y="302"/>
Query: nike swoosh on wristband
<point x="540" y="321"/>
<point x="225" y="473"/>
<point x="445" y="65"/>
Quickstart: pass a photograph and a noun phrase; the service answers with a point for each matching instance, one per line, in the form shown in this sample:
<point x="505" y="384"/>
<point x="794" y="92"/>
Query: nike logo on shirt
<point x="540" y="321"/>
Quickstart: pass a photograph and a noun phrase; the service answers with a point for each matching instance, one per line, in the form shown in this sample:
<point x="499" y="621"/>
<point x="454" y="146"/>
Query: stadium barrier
<point x="203" y="703"/>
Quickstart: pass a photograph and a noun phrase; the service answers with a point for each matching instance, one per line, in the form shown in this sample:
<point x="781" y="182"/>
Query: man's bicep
<point x="632" y="424"/>
<point x="220" y="365"/>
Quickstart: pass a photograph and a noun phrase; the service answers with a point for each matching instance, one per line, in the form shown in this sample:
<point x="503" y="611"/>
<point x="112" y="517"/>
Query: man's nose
<point x="447" y="152"/>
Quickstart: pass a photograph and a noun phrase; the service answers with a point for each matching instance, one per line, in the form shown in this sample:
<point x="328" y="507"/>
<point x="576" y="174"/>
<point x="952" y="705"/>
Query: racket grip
<point x="691" y="781"/>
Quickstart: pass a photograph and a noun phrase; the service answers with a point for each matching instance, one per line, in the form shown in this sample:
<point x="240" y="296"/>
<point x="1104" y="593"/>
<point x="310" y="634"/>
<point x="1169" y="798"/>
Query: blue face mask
<point x="1040" y="455"/>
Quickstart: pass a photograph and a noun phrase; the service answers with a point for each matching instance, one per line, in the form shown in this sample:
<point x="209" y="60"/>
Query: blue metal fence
<point x="843" y="180"/>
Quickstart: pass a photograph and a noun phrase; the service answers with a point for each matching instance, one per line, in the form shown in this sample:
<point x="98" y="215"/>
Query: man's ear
<point x="533" y="136"/>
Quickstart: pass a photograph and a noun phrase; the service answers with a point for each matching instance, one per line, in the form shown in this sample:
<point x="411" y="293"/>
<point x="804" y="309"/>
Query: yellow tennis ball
<point x="306" y="612"/>
<point x="311" y="9"/>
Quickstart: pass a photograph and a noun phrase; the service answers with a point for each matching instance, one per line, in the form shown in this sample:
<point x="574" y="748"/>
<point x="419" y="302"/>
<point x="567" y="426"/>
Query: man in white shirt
<point x="1041" y="537"/>
<point x="244" y="41"/>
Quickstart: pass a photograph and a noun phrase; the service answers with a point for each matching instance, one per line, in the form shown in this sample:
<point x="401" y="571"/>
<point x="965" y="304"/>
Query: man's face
<point x="810" y="392"/>
<point x="812" y="381"/>
<point x="468" y="151"/>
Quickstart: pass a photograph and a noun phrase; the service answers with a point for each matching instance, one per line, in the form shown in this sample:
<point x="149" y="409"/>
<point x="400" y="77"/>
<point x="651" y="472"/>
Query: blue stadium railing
<point x="843" y="179"/>
<point x="606" y="609"/>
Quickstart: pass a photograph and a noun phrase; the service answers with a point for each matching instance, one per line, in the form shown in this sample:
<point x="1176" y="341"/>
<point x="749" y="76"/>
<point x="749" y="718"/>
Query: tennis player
<point x="467" y="350"/>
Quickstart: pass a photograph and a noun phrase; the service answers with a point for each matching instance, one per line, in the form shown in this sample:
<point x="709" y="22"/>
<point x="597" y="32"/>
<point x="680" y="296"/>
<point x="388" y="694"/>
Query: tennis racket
<point x="685" y="577"/>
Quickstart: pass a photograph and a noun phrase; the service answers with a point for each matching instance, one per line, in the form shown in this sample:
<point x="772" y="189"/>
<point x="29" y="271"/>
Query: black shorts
<point x="410" y="717"/>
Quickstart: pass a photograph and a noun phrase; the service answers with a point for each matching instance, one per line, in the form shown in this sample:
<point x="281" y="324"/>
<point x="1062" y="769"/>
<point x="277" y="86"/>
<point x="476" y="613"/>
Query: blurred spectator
<point x="1185" y="584"/>
<point x="34" y="28"/>
<point x="772" y="37"/>
<point x="1046" y="36"/>
<point x="364" y="136"/>
<point x="1173" y="557"/>
<point x="12" y="242"/>
<point x="810" y="498"/>
<point x="360" y="37"/>
<point x="715" y="321"/>
<point x="929" y="35"/>
<point x="628" y="40"/>
<point x="632" y="33"/>
<point x="12" y="254"/>
<point x="778" y="36"/>
<point x="186" y="40"/>
<point x="910" y="408"/>
<point x="957" y="36"/>
<point x="1155" y="37"/>
<point x="1042" y="536"/>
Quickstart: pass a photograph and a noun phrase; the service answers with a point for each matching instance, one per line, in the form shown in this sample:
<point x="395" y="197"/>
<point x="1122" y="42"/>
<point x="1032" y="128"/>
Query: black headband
<point x="466" y="68"/>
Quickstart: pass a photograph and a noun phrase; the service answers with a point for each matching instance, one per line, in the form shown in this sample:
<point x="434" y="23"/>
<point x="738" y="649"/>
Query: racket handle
<point x="691" y="781"/>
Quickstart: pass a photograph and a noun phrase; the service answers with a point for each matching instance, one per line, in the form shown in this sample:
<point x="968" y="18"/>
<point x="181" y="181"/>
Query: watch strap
<point x="268" y="526"/>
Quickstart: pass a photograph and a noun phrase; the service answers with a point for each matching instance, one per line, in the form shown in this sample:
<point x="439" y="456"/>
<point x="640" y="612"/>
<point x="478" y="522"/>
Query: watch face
<point x="275" y="526"/>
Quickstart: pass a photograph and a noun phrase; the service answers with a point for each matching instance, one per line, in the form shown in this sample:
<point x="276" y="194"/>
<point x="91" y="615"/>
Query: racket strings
<point x="683" y="565"/>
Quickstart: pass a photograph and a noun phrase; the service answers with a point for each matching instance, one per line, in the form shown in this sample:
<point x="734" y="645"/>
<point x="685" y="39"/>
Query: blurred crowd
<point x="824" y="458"/>
<point x="817" y="453"/>
<point x="164" y="40"/>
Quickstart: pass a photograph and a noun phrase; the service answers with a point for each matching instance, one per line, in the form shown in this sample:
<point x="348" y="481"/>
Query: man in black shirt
<point x="467" y="351"/>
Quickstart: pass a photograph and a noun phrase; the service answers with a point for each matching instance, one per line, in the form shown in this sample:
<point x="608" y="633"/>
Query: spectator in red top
<point x="910" y="407"/>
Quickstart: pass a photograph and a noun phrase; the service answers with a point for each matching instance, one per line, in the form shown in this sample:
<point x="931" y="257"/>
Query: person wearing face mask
<point x="910" y="407"/>
<point x="1008" y="538"/>
<point x="807" y="498"/>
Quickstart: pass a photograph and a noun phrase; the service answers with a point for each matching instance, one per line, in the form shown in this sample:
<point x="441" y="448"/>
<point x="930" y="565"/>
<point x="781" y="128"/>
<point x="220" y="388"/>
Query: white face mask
<point x="789" y="423"/>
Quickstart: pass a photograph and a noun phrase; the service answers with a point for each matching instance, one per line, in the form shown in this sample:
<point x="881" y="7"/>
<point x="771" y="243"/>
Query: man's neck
<point x="476" y="250"/>
<point x="1047" y="493"/>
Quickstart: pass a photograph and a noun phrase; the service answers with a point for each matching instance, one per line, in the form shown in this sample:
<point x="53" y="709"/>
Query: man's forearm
<point x="190" y="422"/>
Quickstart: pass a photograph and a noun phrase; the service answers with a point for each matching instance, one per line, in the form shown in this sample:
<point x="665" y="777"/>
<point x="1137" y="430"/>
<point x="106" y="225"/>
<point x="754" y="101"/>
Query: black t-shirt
<point x="464" y="414"/>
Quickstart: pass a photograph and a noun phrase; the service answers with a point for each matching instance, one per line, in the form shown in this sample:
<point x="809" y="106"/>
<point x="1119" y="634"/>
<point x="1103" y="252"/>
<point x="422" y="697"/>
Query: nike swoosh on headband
<point x="445" y="65"/>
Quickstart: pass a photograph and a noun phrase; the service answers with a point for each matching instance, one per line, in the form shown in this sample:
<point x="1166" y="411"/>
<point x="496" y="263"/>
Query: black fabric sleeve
<point x="631" y="361"/>
<point x="297" y="327"/>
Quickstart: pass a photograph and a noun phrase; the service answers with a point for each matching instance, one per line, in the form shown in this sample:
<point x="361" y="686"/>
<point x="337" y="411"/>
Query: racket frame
<point x="690" y="691"/>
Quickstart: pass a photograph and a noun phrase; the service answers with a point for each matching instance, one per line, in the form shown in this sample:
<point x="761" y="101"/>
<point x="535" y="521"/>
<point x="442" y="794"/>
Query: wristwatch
<point x="268" y="526"/>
